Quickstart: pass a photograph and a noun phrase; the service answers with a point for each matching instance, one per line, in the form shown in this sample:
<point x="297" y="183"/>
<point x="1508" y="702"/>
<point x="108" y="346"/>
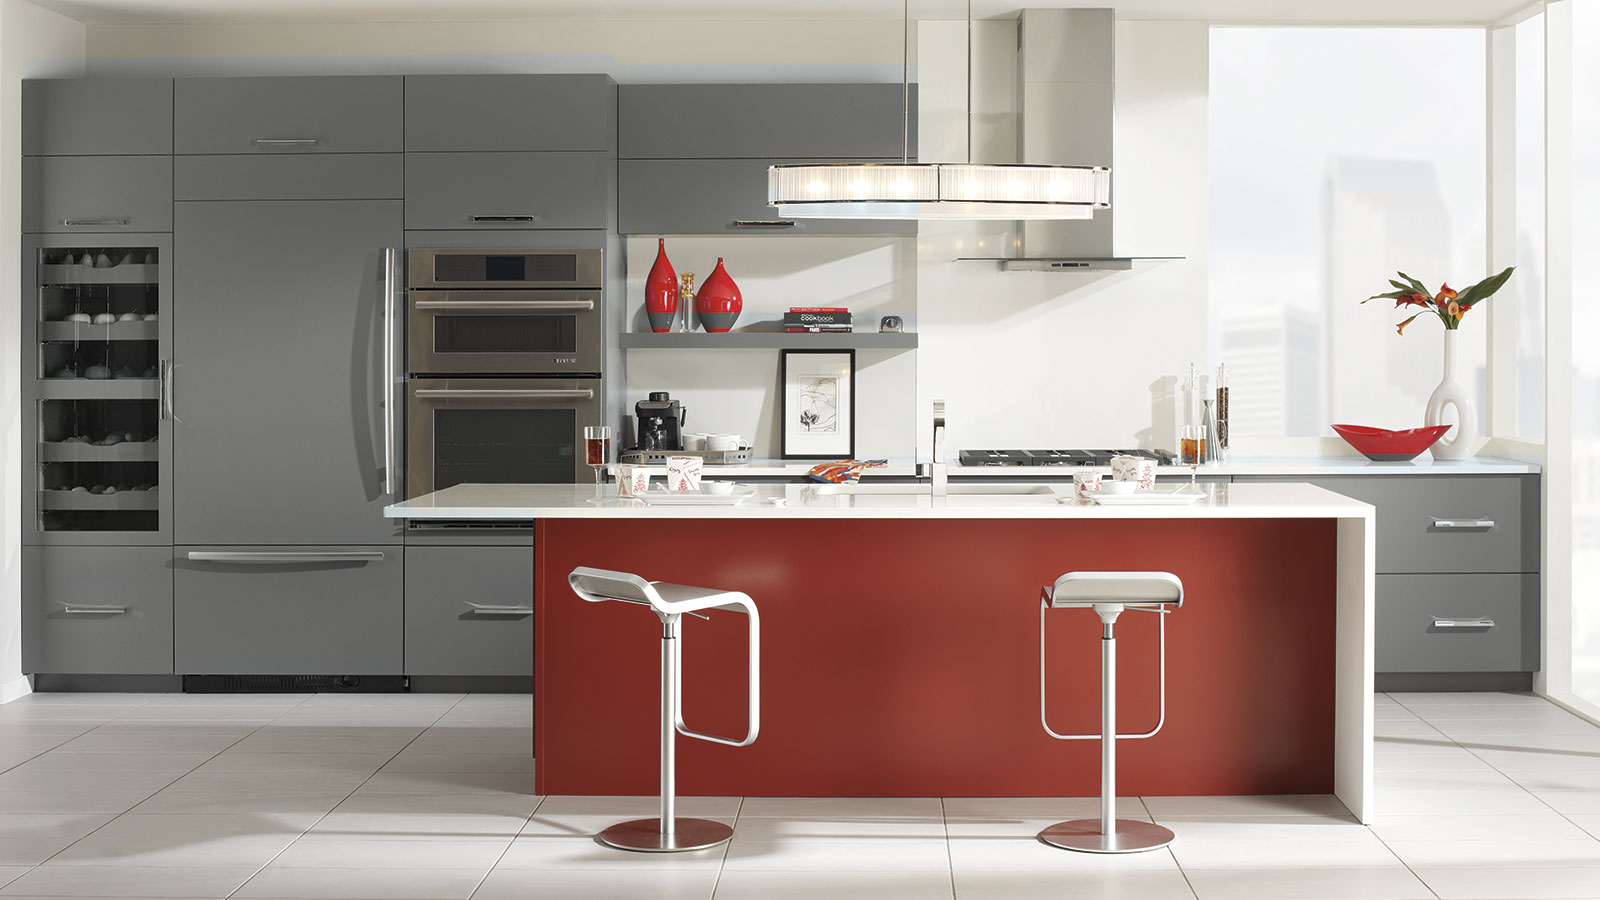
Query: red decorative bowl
<point x="1383" y="445"/>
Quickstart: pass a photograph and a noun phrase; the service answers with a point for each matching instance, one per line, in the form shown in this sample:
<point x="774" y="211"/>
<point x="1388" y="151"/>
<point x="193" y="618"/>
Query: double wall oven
<point x="504" y="355"/>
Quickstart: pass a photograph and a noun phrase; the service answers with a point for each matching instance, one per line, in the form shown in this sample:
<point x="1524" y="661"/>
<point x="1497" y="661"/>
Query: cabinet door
<point x="97" y="117"/>
<point x="712" y="121"/>
<point x="469" y="611"/>
<point x="508" y="190"/>
<point x="277" y="388"/>
<point x="335" y="114"/>
<point x="288" y="610"/>
<point x="295" y="176"/>
<point x="97" y="610"/>
<point x="510" y="112"/>
<point x="717" y="196"/>
<point x="1457" y="623"/>
<point x="96" y="194"/>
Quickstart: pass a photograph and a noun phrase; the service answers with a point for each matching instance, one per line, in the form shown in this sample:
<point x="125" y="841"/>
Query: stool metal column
<point x="667" y="833"/>
<point x="1109" y="594"/>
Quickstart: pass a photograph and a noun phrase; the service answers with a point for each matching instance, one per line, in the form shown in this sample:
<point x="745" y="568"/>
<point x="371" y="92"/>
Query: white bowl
<point x="718" y="487"/>
<point x="1118" y="487"/>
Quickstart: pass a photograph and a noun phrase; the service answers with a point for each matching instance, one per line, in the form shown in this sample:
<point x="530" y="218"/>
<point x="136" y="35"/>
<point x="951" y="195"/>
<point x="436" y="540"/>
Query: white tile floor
<point x="1492" y="796"/>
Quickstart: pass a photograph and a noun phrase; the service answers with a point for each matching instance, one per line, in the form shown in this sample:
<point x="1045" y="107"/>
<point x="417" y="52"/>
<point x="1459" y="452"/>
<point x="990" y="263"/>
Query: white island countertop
<point x="1301" y="466"/>
<point x="874" y="501"/>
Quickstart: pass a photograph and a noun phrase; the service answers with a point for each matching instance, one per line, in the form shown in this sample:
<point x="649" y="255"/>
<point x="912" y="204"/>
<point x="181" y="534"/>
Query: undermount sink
<point x="955" y="490"/>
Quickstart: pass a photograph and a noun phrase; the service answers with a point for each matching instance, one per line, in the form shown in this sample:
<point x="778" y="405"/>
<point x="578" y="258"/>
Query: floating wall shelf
<point x="767" y="340"/>
<point x="1068" y="263"/>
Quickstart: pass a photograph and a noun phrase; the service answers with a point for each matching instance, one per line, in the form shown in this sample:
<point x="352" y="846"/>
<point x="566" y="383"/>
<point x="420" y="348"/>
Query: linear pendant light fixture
<point x="909" y="190"/>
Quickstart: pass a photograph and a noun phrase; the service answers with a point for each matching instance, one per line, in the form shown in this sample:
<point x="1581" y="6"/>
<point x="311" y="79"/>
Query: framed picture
<point x="818" y="420"/>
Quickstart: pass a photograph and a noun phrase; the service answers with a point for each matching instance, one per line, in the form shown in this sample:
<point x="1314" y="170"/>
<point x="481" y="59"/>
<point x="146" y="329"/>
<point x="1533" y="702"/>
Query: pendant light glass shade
<point x="938" y="191"/>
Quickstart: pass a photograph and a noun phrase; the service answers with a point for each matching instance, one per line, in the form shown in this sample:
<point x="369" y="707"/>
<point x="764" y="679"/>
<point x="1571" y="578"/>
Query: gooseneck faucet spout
<point x="938" y="470"/>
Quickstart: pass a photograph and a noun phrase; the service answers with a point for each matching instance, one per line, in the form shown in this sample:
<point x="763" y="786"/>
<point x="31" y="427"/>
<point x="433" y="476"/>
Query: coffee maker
<point x="660" y="422"/>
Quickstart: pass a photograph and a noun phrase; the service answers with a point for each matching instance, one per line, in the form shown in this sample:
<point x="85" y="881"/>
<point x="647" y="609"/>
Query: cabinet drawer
<point x="1427" y="623"/>
<point x="469" y="611"/>
<point x="299" y="176"/>
<point x="97" y="116"/>
<point x="510" y="112"/>
<point x="274" y="610"/>
<point x="96" y="194"/>
<point x="717" y="196"/>
<point x="337" y="114"/>
<point x="97" y="610"/>
<point x="728" y="121"/>
<point x="508" y="190"/>
<point x="1446" y="523"/>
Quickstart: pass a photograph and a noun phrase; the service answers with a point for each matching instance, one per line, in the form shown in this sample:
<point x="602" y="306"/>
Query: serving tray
<point x="660" y="496"/>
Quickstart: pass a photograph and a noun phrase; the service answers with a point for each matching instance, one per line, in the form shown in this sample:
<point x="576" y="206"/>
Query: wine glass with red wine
<point x="597" y="448"/>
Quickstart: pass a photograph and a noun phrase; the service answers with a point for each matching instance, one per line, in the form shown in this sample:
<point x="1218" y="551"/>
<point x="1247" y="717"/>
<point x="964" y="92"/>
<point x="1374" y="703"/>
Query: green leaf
<point x="1392" y="295"/>
<point x="1416" y="286"/>
<point x="1402" y="286"/>
<point x="1485" y="289"/>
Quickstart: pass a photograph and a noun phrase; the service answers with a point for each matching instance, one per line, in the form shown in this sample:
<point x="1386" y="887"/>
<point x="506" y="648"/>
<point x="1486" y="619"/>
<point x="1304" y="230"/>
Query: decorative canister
<point x="661" y="291"/>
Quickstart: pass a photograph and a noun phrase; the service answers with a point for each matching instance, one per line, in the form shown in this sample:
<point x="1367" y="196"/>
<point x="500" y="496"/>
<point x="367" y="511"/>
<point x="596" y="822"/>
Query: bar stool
<point x="1108" y="594"/>
<point x="668" y="833"/>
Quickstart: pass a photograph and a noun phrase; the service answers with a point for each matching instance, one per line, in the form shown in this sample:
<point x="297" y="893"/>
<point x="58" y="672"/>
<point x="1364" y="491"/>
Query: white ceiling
<point x="1399" y="12"/>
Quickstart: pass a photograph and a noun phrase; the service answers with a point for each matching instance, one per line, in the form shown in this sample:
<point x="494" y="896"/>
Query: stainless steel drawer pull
<point x="483" y="609"/>
<point x="285" y="142"/>
<point x="518" y="218"/>
<point x="1461" y="523"/>
<point x="493" y="394"/>
<point x="288" y="556"/>
<point x="763" y="223"/>
<point x="94" y="610"/>
<point x="505" y="304"/>
<point x="76" y="223"/>
<point x="1474" y="622"/>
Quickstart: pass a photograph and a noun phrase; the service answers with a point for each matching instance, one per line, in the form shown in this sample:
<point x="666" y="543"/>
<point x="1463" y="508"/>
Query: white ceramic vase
<point x="1456" y="443"/>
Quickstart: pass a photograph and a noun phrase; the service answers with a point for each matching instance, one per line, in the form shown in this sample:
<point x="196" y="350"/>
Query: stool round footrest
<point x="644" y="835"/>
<point x="1131" y="836"/>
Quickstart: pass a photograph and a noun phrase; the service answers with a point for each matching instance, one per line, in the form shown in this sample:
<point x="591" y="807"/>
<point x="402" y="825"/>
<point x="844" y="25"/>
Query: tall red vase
<point x="661" y="291"/>
<point x="718" y="302"/>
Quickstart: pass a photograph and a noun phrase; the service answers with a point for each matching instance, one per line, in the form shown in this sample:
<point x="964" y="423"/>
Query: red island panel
<point x="900" y="658"/>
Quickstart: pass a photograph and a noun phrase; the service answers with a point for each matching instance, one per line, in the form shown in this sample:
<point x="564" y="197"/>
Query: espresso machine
<point x="660" y="422"/>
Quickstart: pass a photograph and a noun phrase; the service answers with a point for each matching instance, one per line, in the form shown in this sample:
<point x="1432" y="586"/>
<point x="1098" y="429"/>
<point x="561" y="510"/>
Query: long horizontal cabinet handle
<point x="286" y="556"/>
<point x="484" y="609"/>
<point x="285" y="142"/>
<point x="1462" y="523"/>
<point x="505" y="304"/>
<point x="763" y="223"/>
<point x="505" y="218"/>
<point x="93" y="610"/>
<point x="506" y="393"/>
<point x="81" y="223"/>
<point x="1473" y="622"/>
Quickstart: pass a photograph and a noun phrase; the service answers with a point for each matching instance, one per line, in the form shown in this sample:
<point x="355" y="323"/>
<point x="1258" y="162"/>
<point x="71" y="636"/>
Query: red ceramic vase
<point x="718" y="302"/>
<point x="661" y="291"/>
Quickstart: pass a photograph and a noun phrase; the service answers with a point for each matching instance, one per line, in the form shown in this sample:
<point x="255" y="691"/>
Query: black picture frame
<point x="796" y="443"/>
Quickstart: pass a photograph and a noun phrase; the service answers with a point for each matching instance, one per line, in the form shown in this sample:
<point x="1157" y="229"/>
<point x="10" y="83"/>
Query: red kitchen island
<point x="900" y="641"/>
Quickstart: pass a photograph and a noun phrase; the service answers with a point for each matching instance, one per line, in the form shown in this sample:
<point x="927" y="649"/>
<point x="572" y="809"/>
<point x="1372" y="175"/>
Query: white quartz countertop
<point x="874" y="501"/>
<point x="1309" y="466"/>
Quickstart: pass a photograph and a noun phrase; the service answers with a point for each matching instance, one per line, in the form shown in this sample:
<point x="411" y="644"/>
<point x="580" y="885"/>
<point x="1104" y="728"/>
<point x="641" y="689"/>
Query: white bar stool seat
<point x="667" y="833"/>
<point x="1109" y="594"/>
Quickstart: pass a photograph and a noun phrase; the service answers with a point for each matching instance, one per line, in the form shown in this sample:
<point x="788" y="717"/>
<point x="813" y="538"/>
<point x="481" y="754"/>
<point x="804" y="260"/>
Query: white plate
<point x="660" y="496"/>
<point x="1147" y="498"/>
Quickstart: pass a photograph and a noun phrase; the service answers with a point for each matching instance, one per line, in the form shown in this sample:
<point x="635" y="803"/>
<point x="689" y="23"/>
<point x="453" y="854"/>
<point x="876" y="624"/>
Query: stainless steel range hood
<point x="1066" y="100"/>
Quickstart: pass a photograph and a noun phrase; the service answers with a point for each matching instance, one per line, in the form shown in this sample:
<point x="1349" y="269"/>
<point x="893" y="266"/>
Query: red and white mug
<point x="1134" y="468"/>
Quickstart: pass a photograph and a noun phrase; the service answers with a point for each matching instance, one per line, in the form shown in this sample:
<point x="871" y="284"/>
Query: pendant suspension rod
<point x="905" y="82"/>
<point x="969" y="82"/>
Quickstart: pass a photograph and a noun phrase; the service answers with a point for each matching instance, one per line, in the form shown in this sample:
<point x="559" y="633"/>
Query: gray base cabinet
<point x="97" y="610"/>
<point x="1458" y="623"/>
<point x="469" y="611"/>
<point x="288" y="610"/>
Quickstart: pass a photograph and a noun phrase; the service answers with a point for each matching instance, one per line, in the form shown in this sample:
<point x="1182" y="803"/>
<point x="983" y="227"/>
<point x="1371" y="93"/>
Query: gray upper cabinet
<point x="297" y="176"/>
<point x="97" y="117"/>
<point x="96" y="194"/>
<point x="278" y="387"/>
<point x="510" y="112"/>
<point x="336" y="114"/>
<point x="451" y="191"/>
<point x="722" y="121"/>
<point x="97" y="610"/>
<point x="717" y="196"/>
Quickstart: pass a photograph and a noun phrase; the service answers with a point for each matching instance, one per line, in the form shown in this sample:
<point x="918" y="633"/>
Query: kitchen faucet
<point x="937" y="470"/>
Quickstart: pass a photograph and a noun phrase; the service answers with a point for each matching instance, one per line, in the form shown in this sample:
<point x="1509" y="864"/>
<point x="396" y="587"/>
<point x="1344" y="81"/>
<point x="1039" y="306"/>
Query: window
<point x="1338" y="156"/>
<point x="1585" y="408"/>
<point x="1528" y="282"/>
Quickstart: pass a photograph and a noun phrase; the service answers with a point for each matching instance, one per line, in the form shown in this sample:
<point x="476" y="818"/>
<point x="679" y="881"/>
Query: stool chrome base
<point x="1131" y="836"/>
<point x="644" y="835"/>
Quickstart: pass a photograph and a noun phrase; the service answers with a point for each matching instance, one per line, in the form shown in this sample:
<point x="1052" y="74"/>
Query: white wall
<point x="33" y="43"/>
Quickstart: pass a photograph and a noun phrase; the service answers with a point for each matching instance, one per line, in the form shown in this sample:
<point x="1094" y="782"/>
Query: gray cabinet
<point x="469" y="611"/>
<point x="509" y="190"/>
<point x="318" y="114"/>
<point x="97" y="610"/>
<point x="1457" y="623"/>
<point x="718" y="196"/>
<point x="510" y="112"/>
<point x="288" y="610"/>
<point x="96" y="194"/>
<point x="722" y="121"/>
<point x="97" y="117"/>
<point x="278" y="387"/>
<point x="296" y="176"/>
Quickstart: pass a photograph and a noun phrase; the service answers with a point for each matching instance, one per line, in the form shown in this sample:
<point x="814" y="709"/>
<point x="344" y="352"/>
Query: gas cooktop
<point x="1058" y="457"/>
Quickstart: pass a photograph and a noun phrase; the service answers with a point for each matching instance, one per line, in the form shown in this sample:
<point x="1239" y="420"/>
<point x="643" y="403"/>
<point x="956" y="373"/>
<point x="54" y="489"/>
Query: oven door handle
<point x="503" y="394"/>
<point x="506" y="304"/>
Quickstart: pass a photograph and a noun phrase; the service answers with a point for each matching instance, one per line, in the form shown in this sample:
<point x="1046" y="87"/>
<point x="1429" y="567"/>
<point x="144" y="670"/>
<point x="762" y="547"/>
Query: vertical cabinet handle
<point x="164" y="386"/>
<point x="391" y="278"/>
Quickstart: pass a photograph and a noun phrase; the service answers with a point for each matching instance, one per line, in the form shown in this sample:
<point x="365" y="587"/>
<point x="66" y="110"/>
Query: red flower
<point x="1412" y="300"/>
